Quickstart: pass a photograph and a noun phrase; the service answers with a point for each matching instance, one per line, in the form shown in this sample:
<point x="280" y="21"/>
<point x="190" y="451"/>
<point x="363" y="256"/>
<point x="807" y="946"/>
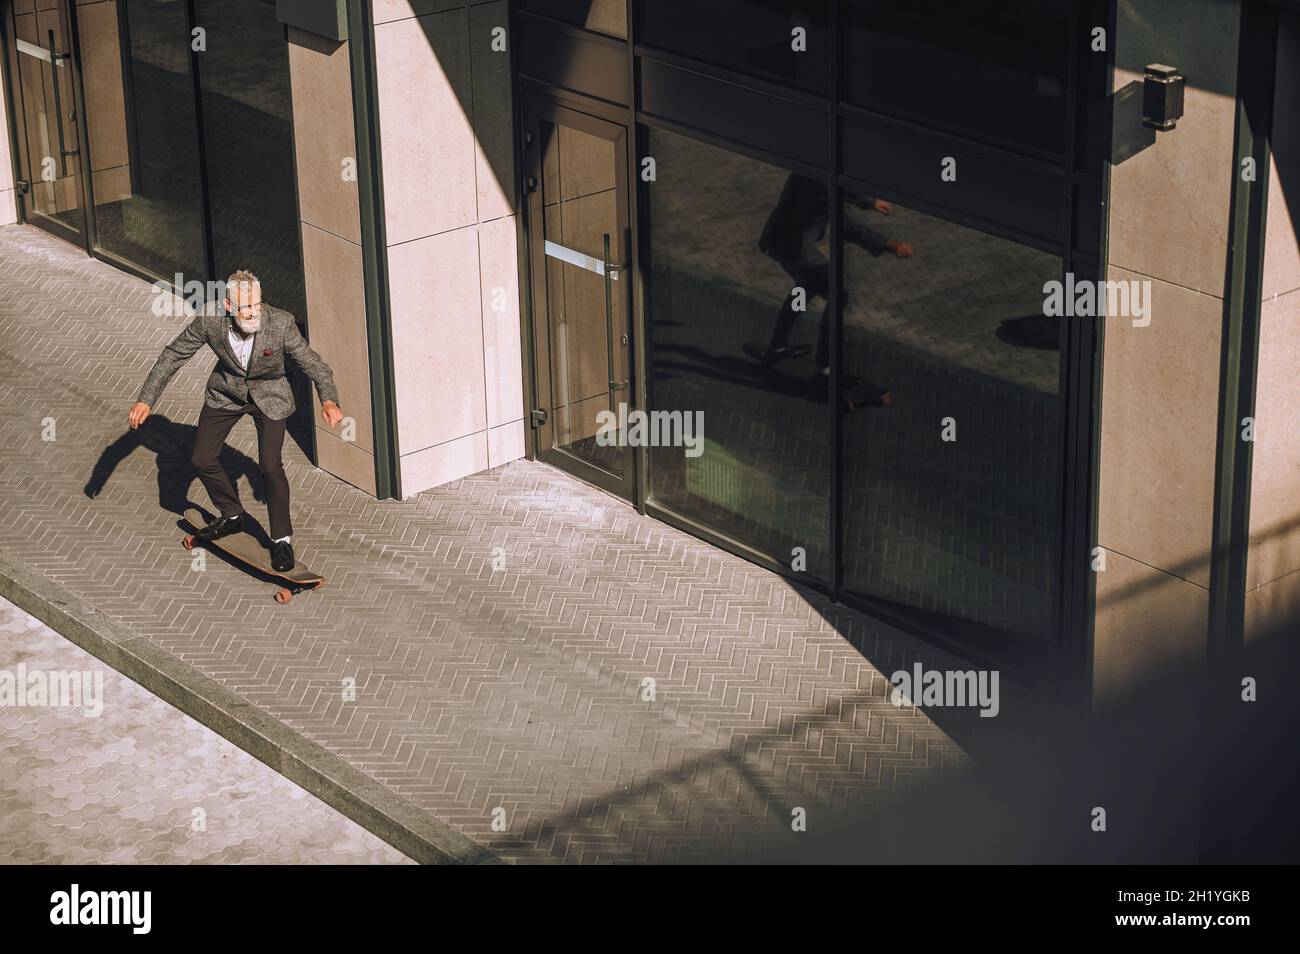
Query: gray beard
<point x="251" y="326"/>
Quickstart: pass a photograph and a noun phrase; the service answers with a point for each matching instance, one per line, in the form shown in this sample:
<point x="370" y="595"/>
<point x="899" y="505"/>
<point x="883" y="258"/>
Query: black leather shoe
<point x="221" y="527"/>
<point x="768" y="356"/>
<point x="282" y="556"/>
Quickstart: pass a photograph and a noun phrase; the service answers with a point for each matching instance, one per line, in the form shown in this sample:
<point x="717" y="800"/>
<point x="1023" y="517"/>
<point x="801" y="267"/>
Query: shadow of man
<point x="171" y="443"/>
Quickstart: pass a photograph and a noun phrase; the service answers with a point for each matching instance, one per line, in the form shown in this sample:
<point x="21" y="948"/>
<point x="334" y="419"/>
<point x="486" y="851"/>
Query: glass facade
<point x="600" y="16"/>
<point x="991" y="69"/>
<point x="950" y="491"/>
<point x="886" y="410"/>
<point x="719" y="288"/>
<point x="189" y="138"/>
<point x="148" y="181"/>
<point x="783" y="41"/>
<point x="248" y="140"/>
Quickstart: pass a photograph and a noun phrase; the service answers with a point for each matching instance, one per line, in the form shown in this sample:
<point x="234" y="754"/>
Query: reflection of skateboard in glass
<point x="245" y="548"/>
<point x="799" y="376"/>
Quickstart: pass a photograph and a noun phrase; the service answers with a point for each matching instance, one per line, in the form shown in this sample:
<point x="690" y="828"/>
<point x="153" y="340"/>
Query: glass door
<point x="48" y="164"/>
<point x="578" y="240"/>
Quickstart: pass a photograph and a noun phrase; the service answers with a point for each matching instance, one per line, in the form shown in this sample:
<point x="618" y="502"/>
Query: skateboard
<point x="245" y="548"/>
<point x="799" y="376"/>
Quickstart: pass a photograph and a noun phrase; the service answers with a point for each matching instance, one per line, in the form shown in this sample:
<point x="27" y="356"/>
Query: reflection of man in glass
<point x="791" y="237"/>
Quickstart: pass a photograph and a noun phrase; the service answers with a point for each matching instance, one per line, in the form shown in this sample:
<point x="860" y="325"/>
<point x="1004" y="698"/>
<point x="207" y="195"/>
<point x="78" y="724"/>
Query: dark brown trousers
<point x="214" y="425"/>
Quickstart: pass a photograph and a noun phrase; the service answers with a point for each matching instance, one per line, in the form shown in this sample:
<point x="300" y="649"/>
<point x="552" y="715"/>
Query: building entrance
<point x="578" y="249"/>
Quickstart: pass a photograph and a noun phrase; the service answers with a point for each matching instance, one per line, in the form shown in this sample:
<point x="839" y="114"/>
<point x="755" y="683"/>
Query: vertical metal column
<point x="1076" y="533"/>
<point x="374" y="248"/>
<point x="1243" y="284"/>
<point x="636" y="272"/>
<point x="835" y="326"/>
<point x="89" y="232"/>
<point x="196" y="83"/>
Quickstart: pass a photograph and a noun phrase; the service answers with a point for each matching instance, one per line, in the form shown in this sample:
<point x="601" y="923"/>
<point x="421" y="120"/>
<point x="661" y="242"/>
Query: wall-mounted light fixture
<point x="1162" y="97"/>
<point x="1143" y="109"/>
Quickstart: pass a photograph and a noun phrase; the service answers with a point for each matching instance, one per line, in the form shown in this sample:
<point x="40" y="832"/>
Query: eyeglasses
<point x="246" y="309"/>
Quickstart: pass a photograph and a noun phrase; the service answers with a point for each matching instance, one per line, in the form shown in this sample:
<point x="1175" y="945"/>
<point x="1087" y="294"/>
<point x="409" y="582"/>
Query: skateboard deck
<point x="245" y="548"/>
<point x="797" y="375"/>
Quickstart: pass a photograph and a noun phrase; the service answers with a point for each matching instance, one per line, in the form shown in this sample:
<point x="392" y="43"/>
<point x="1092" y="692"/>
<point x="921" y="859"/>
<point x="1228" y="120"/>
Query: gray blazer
<point x="263" y="382"/>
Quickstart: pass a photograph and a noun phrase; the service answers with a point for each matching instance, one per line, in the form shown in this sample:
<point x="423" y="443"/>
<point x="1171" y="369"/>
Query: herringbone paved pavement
<point x="518" y="694"/>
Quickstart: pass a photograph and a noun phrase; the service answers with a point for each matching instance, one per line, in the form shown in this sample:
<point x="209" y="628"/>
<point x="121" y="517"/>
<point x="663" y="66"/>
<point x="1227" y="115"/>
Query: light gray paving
<point x="131" y="780"/>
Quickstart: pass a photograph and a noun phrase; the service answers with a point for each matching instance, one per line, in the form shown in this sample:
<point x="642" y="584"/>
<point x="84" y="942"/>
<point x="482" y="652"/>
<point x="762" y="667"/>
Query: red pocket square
<point x="266" y="353"/>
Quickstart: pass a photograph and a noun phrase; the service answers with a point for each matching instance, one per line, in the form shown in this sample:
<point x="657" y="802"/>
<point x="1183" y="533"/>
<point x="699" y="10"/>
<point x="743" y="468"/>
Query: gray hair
<point x="241" y="277"/>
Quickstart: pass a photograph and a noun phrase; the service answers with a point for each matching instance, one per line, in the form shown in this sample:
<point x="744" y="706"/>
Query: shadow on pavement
<point x="171" y="444"/>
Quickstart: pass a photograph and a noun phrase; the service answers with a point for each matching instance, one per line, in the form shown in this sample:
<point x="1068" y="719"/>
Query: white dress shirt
<point x="243" y="347"/>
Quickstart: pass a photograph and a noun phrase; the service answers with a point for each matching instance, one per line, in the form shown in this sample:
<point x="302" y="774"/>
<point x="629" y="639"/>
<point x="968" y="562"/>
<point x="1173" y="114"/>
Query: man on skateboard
<point x="250" y="340"/>
<point x="790" y="237"/>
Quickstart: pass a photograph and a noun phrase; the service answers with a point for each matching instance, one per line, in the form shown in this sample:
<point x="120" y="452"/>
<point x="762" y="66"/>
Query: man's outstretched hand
<point x="329" y="411"/>
<point x="139" y="413"/>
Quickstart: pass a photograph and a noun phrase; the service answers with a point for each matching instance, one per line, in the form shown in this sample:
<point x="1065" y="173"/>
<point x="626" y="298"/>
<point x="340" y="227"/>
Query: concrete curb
<point x="328" y="777"/>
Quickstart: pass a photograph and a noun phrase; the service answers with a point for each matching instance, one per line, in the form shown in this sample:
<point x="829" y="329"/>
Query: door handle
<point x="610" y="272"/>
<point x="55" y="57"/>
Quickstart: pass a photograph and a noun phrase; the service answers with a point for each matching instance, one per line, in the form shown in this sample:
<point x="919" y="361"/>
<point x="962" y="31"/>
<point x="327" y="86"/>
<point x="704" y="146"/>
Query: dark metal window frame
<point x="1238" y="379"/>
<point x="1079" y="373"/>
<point x="374" y="249"/>
<point x="1242" y="310"/>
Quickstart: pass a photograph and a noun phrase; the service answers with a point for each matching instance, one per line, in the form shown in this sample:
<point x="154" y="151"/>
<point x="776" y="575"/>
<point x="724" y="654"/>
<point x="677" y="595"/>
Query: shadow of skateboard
<point x="800" y="377"/>
<point x="246" y="549"/>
